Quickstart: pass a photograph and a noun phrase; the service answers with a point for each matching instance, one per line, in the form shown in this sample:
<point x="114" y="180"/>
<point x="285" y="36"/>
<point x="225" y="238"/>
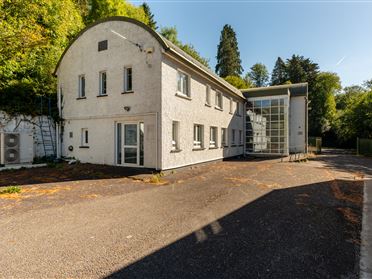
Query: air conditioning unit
<point x="16" y="148"/>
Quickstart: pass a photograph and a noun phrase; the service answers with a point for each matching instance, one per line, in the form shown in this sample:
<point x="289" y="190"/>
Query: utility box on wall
<point x="16" y="148"/>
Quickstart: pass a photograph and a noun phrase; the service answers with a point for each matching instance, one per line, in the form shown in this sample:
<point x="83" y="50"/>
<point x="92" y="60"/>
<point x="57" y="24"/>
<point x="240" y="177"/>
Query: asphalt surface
<point x="233" y="219"/>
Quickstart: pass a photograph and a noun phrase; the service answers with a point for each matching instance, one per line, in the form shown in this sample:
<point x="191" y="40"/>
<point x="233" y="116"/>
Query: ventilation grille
<point x="11" y="148"/>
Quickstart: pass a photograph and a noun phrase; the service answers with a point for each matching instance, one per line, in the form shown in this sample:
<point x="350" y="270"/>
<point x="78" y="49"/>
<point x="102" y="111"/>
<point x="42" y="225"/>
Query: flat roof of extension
<point x="295" y="89"/>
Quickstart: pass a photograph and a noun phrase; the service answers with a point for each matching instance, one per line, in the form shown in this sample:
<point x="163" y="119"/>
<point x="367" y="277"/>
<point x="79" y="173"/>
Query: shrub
<point x="10" y="190"/>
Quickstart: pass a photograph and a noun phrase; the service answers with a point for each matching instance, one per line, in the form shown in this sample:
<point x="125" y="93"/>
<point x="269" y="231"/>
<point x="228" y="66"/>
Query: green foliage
<point x="258" y="74"/>
<point x="238" y="82"/>
<point x="356" y="119"/>
<point x="322" y="102"/>
<point x="104" y="8"/>
<point x="10" y="190"/>
<point x="279" y="74"/>
<point x="228" y="55"/>
<point x="149" y="15"/>
<point x="171" y="34"/>
<point x="300" y="69"/>
<point x="33" y="35"/>
<point x="368" y="84"/>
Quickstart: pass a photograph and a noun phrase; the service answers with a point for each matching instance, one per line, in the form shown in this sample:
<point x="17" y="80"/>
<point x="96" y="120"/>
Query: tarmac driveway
<point x="232" y="219"/>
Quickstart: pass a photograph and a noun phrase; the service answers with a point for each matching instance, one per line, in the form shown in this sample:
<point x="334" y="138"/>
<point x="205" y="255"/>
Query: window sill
<point x="218" y="108"/>
<point x="233" y="145"/>
<point x="127" y="92"/>
<point x="81" y="98"/>
<point x="176" y="150"/>
<point x="213" y="147"/>
<point x="83" y="146"/>
<point x="207" y="105"/>
<point x="230" y="112"/>
<point x="225" y="146"/>
<point x="181" y="95"/>
<point x="240" y="145"/>
<point x="102" y="95"/>
<point x="198" y="149"/>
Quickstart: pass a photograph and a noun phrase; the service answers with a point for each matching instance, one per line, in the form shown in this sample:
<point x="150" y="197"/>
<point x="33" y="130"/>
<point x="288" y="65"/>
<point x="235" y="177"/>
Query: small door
<point x="129" y="144"/>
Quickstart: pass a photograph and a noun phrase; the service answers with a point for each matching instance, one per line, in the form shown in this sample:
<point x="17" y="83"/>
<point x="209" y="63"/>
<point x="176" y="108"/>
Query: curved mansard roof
<point x="168" y="47"/>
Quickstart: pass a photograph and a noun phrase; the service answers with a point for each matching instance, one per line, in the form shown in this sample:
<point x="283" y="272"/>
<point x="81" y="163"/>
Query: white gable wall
<point x="99" y="114"/>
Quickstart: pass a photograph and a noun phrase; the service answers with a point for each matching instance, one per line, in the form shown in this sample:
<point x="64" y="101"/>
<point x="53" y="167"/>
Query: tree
<point x="368" y="84"/>
<point x="228" y="55"/>
<point x="149" y="15"/>
<point x="105" y="8"/>
<point x="238" y="82"/>
<point x="171" y="34"/>
<point x="258" y="74"/>
<point x="300" y="69"/>
<point x="356" y="119"/>
<point x="279" y="74"/>
<point x="322" y="103"/>
<point x="33" y="35"/>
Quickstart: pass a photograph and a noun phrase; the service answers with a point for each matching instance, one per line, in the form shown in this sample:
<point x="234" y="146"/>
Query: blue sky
<point x="336" y="35"/>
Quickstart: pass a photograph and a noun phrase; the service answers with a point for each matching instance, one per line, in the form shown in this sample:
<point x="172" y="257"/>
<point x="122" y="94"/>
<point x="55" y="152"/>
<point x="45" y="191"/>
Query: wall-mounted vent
<point x="102" y="45"/>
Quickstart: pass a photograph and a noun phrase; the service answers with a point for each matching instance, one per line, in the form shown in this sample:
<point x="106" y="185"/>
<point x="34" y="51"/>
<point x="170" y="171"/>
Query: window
<point x="219" y="100"/>
<point x="102" y="83"/>
<point x="223" y="137"/>
<point x="231" y="105"/>
<point x="128" y="79"/>
<point x="198" y="136"/>
<point x="238" y="108"/>
<point x="183" y="84"/>
<point x="208" y="95"/>
<point x="81" y="86"/>
<point x="266" y="127"/>
<point x="213" y="137"/>
<point x="175" y="135"/>
<point x="240" y="137"/>
<point x="84" y="137"/>
<point x="233" y="136"/>
<point x="102" y="45"/>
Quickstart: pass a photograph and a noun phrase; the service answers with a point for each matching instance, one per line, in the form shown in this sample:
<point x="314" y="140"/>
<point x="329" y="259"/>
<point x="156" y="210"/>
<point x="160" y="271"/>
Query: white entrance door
<point x="129" y="144"/>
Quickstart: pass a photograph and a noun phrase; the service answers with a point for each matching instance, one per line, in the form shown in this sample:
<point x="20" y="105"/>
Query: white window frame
<point x="81" y="87"/>
<point x="213" y="137"/>
<point x="84" y="137"/>
<point x="198" y="136"/>
<point x="224" y="137"/>
<point x="231" y="105"/>
<point x="101" y="93"/>
<point x="219" y="97"/>
<point x="240" y="137"/>
<point x="208" y="95"/>
<point x="126" y="89"/>
<point x="233" y="137"/>
<point x="181" y="84"/>
<point x="175" y="135"/>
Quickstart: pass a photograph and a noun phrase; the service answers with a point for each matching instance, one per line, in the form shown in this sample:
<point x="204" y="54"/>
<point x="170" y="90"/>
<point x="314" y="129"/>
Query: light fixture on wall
<point x="127" y="108"/>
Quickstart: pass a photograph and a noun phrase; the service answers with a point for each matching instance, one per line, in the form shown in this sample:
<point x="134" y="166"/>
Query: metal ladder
<point x="48" y="140"/>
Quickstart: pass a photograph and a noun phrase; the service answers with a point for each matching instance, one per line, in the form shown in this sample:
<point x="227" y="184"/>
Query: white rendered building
<point x="129" y="97"/>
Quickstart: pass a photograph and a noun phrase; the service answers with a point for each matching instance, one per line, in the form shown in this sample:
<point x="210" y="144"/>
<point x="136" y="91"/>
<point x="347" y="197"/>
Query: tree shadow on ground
<point x="64" y="172"/>
<point x="308" y="231"/>
<point x="336" y="160"/>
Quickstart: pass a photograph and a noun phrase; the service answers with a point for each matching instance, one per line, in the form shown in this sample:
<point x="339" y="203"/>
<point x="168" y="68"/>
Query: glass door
<point x="130" y="152"/>
<point x="130" y="144"/>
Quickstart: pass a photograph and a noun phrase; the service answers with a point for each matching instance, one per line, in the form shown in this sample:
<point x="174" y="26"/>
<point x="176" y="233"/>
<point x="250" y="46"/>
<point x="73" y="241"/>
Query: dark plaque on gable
<point x="102" y="45"/>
